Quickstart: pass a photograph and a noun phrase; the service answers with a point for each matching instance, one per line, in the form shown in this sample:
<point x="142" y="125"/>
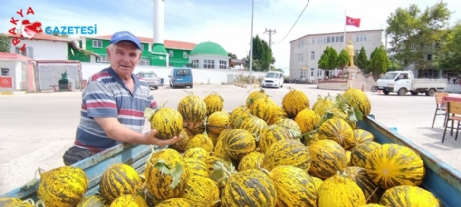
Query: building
<point x="42" y="47"/>
<point x="306" y="51"/>
<point x="178" y="51"/>
<point x="209" y="55"/>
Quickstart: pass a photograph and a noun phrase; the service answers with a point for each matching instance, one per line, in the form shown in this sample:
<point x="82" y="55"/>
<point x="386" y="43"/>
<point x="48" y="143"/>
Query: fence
<point x="48" y="74"/>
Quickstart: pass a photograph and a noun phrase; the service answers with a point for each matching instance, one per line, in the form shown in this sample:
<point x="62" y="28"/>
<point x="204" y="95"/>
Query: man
<point x="113" y="104"/>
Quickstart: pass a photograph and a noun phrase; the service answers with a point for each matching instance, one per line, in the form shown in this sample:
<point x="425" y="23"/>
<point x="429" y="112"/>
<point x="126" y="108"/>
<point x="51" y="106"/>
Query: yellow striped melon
<point x="167" y="121"/>
<point x="254" y="125"/>
<point x="359" y="175"/>
<point x="294" y="187"/>
<point x="176" y="202"/>
<point x="361" y="136"/>
<point x="360" y="153"/>
<point x="339" y="190"/>
<point x="241" y="190"/>
<point x="267" y="110"/>
<point x="166" y="174"/>
<point x="196" y="153"/>
<point x="294" y="101"/>
<point x="197" y="167"/>
<point x="292" y="126"/>
<point x="238" y="115"/>
<point x="392" y="165"/>
<point x="202" y="141"/>
<point x="407" y="195"/>
<point x="307" y="120"/>
<point x="119" y="179"/>
<point x="62" y="186"/>
<point x="251" y="161"/>
<point x="317" y="183"/>
<point x="337" y="130"/>
<point x="214" y="102"/>
<point x="359" y="100"/>
<point x="201" y="191"/>
<point x="192" y="109"/>
<point x="327" y="158"/>
<point x="218" y="121"/>
<point x="181" y="144"/>
<point x="272" y="134"/>
<point x="287" y="152"/>
<point x="238" y="143"/>
<point x="323" y="104"/>
<point x="131" y="200"/>
<point x="92" y="201"/>
<point x="253" y="96"/>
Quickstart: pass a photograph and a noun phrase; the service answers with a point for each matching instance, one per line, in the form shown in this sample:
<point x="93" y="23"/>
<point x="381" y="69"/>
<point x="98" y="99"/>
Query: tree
<point x="232" y="55"/>
<point x="4" y="43"/>
<point x="362" y="60"/>
<point x="379" y="63"/>
<point x="343" y="59"/>
<point x="328" y="60"/>
<point x="369" y="68"/>
<point x="450" y="55"/>
<point x="415" y="33"/>
<point x="262" y="55"/>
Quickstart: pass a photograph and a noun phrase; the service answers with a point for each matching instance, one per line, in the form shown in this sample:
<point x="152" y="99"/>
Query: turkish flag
<point x="353" y="21"/>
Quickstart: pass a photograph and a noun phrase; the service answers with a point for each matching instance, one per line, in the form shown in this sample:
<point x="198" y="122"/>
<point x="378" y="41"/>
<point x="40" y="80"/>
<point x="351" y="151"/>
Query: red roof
<point x="168" y="43"/>
<point x="43" y="36"/>
<point x="13" y="56"/>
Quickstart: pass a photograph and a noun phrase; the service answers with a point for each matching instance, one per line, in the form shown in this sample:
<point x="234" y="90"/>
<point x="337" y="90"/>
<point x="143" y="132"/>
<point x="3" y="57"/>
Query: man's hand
<point x="160" y="142"/>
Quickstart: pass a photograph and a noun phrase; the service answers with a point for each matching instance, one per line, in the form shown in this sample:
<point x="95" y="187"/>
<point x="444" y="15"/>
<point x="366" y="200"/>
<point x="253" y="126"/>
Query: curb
<point x="13" y="92"/>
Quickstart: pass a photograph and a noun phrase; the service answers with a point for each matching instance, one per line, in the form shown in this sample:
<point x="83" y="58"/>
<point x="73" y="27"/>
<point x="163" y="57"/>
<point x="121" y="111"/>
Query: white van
<point x="273" y="79"/>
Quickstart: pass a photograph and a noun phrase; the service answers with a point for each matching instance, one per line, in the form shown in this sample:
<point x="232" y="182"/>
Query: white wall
<point x="216" y="59"/>
<point x="204" y="76"/>
<point x="44" y="50"/>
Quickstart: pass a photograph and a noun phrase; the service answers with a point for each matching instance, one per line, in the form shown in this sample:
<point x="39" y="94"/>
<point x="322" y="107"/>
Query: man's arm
<point x="101" y="105"/>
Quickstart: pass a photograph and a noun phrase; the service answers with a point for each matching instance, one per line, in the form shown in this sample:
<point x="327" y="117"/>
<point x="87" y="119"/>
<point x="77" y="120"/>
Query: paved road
<point x="36" y="129"/>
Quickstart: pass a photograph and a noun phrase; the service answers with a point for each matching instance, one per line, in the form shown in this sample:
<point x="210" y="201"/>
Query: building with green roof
<point x="209" y="55"/>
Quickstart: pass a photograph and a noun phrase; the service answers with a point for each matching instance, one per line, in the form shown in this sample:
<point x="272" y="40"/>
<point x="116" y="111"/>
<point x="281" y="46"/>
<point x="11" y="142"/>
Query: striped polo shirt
<point x="107" y="96"/>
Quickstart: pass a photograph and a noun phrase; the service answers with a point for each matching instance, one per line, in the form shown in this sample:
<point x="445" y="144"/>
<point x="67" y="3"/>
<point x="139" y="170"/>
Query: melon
<point x="251" y="161"/>
<point x="360" y="153"/>
<point x="197" y="167"/>
<point x="337" y="130"/>
<point x="202" y="141"/>
<point x="198" y="153"/>
<point x="292" y="126"/>
<point x="218" y="121"/>
<point x="92" y="201"/>
<point x="193" y="110"/>
<point x="267" y="110"/>
<point x="214" y="102"/>
<point x="238" y="115"/>
<point x="361" y="136"/>
<point x="294" y="101"/>
<point x="307" y="120"/>
<point x="339" y="190"/>
<point x="167" y="121"/>
<point x="131" y="200"/>
<point x="323" y="104"/>
<point x="176" y="202"/>
<point x="287" y="152"/>
<point x="272" y="134"/>
<point x="253" y="96"/>
<point x="238" y="143"/>
<point x="201" y="191"/>
<point x="359" y="175"/>
<point x="119" y="179"/>
<point x="392" y="165"/>
<point x="62" y="186"/>
<point x="358" y="99"/>
<point x="181" y="144"/>
<point x="327" y="158"/>
<point x="254" y="125"/>
<point x="408" y="195"/>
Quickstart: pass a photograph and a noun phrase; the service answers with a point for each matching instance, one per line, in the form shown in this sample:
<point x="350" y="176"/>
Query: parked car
<point x="273" y="79"/>
<point x="151" y="79"/>
<point x="181" y="77"/>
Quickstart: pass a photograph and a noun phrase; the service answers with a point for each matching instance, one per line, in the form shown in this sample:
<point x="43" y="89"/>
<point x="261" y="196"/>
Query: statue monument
<point x="350" y="50"/>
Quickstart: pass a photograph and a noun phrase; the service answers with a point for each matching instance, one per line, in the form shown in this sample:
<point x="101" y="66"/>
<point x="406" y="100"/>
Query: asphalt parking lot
<point x="36" y="129"/>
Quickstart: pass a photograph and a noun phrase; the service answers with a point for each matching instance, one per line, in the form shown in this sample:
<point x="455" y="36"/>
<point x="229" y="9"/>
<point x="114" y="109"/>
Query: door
<point x="403" y="81"/>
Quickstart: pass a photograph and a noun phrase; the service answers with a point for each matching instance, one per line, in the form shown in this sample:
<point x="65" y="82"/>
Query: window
<point x="302" y="74"/>
<point x="429" y="57"/>
<point x="103" y="59"/>
<point x="222" y="64"/>
<point x="341" y="38"/>
<point x="328" y="39"/>
<point x="300" y="57"/>
<point x="171" y="53"/>
<point x="195" y="64"/>
<point x="333" y="39"/>
<point x="322" y="40"/>
<point x="28" y="51"/>
<point x="208" y="64"/>
<point x="97" y="43"/>
<point x="319" y="73"/>
<point x="313" y="41"/>
<point x="184" y="55"/>
<point x="144" y="61"/>
<point x="312" y="72"/>
<point x="301" y="44"/>
<point x="312" y="55"/>
<point x="337" y="39"/>
<point x="182" y="72"/>
<point x="361" y="38"/>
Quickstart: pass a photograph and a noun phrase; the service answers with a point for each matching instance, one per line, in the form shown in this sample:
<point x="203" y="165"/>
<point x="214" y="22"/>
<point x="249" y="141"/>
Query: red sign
<point x="6" y="82"/>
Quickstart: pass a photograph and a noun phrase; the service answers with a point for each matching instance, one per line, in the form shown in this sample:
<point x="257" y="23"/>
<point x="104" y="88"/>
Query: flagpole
<point x="345" y="20"/>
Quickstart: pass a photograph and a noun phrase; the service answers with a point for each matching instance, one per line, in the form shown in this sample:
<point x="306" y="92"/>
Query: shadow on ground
<point x="436" y="134"/>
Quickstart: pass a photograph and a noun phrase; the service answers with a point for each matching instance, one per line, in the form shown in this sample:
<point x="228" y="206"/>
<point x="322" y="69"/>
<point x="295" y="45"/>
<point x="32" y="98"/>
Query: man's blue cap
<point x="125" y="36"/>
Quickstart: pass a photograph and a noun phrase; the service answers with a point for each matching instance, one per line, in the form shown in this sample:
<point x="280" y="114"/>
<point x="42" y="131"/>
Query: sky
<point x="226" y="22"/>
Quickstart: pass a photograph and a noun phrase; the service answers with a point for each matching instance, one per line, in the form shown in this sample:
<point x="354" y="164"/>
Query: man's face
<point x="124" y="57"/>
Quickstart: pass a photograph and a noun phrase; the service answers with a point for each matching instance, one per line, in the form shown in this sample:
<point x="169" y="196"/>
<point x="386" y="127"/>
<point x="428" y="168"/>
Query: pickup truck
<point x="402" y="82"/>
<point x="440" y="179"/>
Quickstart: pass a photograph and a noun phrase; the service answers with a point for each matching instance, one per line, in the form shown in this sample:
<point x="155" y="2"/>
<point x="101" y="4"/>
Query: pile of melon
<point x="261" y="154"/>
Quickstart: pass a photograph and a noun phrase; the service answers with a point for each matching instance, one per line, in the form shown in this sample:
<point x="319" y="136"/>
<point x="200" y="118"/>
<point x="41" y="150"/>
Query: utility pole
<point x="270" y="31"/>
<point x="251" y="46"/>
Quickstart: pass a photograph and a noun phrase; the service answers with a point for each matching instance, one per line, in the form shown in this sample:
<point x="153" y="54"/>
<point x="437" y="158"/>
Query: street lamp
<point x="251" y="43"/>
